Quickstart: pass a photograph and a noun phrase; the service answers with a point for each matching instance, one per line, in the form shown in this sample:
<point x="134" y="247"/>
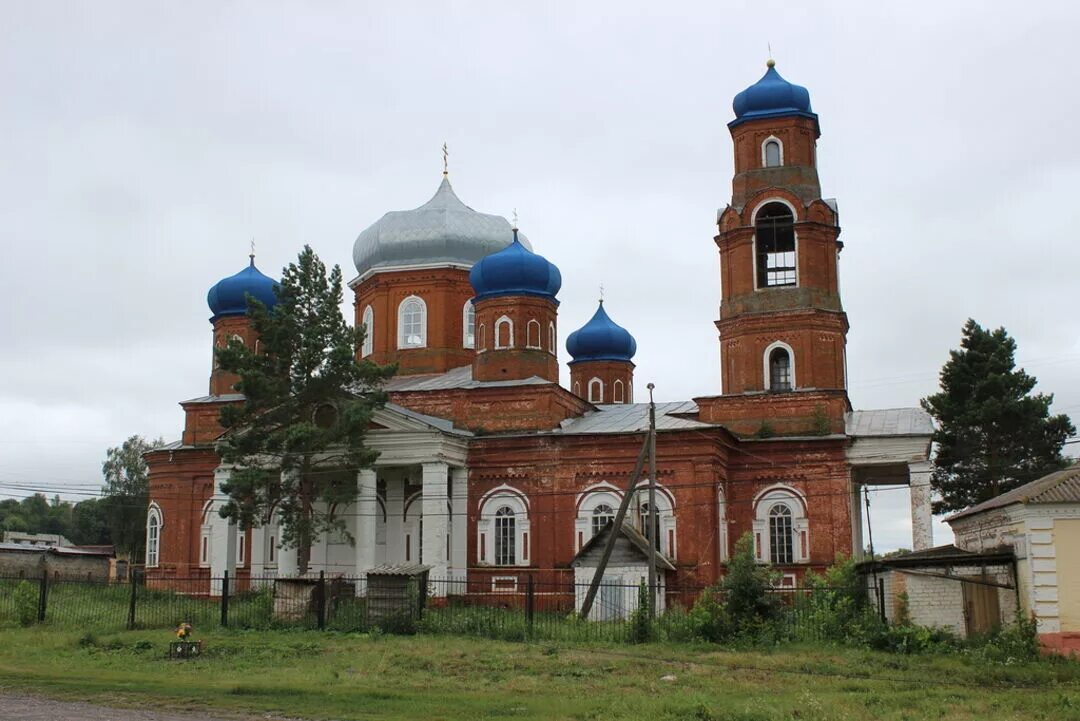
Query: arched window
<point x="551" y="338"/>
<point x="774" y="239"/>
<point x="781" y="529"/>
<point x="532" y="334"/>
<point x="618" y="393"/>
<point x="503" y="528"/>
<point x="412" y="323"/>
<point x="650" y="531"/>
<point x="781" y="535"/>
<point x="369" y="332"/>
<point x="505" y="545"/>
<point x="780" y="370"/>
<point x="205" y="534"/>
<point x="504" y="333"/>
<point x="772" y="153"/>
<point x="153" y="536"/>
<point x="596" y="391"/>
<point x="663" y="532"/>
<point x="601" y="515"/>
<point x="481" y="336"/>
<point x="468" y="325"/>
<point x="577" y="388"/>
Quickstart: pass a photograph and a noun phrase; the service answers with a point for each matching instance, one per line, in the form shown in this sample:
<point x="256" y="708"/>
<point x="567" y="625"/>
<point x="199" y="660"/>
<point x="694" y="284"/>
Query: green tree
<point x="127" y="494"/>
<point x="297" y="441"/>
<point x="993" y="434"/>
<point x="747" y="586"/>
<point x="90" y="522"/>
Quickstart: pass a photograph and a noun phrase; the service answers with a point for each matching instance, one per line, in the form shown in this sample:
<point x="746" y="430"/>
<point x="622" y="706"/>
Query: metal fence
<point x="521" y="609"/>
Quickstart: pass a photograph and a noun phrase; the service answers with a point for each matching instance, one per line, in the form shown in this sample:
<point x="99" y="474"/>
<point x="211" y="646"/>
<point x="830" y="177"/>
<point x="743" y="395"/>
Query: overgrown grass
<point x="365" y="676"/>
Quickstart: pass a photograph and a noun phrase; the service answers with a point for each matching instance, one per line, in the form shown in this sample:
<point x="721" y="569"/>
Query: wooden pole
<point x="609" y="546"/>
<point x="654" y="532"/>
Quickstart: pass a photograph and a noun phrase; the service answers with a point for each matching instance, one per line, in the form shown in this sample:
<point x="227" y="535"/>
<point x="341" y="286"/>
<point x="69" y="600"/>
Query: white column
<point x="459" y="526"/>
<point x="222" y="537"/>
<point x="288" y="559"/>
<point x="858" y="551"/>
<point x="258" y="552"/>
<point x="366" y="510"/>
<point x="436" y="521"/>
<point x="922" y="531"/>
<point x="395" y="519"/>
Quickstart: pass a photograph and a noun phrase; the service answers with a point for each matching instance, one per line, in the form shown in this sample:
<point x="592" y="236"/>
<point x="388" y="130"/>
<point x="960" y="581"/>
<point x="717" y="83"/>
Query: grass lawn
<point x="328" y="676"/>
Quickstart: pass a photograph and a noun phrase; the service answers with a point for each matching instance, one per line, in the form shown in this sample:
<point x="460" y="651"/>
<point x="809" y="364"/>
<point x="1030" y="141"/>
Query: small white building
<point x="626" y="570"/>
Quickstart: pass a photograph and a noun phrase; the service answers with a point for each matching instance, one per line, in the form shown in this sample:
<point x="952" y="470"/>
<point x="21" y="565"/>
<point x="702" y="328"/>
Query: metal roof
<point x="1058" y="487"/>
<point x="398" y="569"/>
<point x="452" y="380"/>
<point x="889" y="422"/>
<point x="633" y="417"/>
<point x="637" y="540"/>
<point x="215" y="399"/>
<point x="442" y="424"/>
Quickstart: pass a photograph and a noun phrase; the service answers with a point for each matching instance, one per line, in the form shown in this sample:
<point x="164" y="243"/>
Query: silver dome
<point x="442" y="230"/>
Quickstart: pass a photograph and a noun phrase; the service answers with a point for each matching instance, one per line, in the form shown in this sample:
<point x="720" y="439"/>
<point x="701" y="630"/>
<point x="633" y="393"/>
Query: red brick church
<point x="491" y="470"/>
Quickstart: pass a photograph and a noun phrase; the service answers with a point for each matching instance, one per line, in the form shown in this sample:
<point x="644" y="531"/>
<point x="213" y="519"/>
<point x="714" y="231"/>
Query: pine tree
<point x="993" y="434"/>
<point x="297" y="441"/>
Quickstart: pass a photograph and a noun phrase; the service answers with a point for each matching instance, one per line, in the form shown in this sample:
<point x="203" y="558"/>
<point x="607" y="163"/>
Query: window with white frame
<point x="618" y="393"/>
<point x="468" y="325"/>
<point x="780" y="376"/>
<point x="153" y="536"/>
<point x="774" y="240"/>
<point x="651" y="530"/>
<point x="772" y="153"/>
<point x="662" y="532"/>
<point x="504" y="333"/>
<point x="577" y="388"/>
<point x="368" y="319"/>
<point x="412" y="323"/>
<point x="205" y="535"/>
<point x="601" y="516"/>
<point x="596" y="506"/>
<point x="272" y="536"/>
<point x="781" y="529"/>
<point x="532" y="334"/>
<point x="481" y="337"/>
<point x="241" y="543"/>
<point x="551" y="338"/>
<point x="596" y="391"/>
<point x="503" y="528"/>
<point x="722" y="526"/>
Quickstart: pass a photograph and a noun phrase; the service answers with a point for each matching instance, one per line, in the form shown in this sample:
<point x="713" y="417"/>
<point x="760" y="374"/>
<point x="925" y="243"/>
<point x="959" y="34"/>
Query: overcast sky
<point x="142" y="146"/>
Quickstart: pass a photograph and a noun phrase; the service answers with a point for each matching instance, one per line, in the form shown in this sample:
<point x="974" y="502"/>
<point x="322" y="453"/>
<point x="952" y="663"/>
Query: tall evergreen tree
<point x="993" y="434"/>
<point x="127" y="493"/>
<point x="297" y="441"/>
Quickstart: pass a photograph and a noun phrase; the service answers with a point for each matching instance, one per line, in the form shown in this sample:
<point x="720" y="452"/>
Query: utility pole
<point x="653" y="535"/>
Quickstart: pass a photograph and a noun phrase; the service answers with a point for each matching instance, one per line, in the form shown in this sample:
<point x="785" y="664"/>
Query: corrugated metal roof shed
<point x="1058" y="487"/>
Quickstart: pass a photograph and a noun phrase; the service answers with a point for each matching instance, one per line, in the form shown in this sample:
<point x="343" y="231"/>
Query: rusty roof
<point x="1058" y="487"/>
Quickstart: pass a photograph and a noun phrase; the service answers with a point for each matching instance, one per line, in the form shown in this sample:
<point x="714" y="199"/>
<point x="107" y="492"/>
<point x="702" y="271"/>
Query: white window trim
<point x="206" y="535"/>
<point x="599" y="384"/>
<point x="779" y="142"/>
<point x="241" y="547"/>
<point x="498" y="324"/>
<point x="763" y="503"/>
<point x="368" y="319"/>
<point x="466" y="342"/>
<point x="767" y="378"/>
<point x="577" y="389"/>
<point x="588" y="500"/>
<point x="539" y="335"/>
<point x="794" y="232"/>
<point x="551" y="338"/>
<point x="665" y="505"/>
<point x="481" y="336"/>
<point x="618" y="389"/>
<point x="153" y="554"/>
<point x="491" y="502"/>
<point x="722" y="525"/>
<point x="402" y="345"/>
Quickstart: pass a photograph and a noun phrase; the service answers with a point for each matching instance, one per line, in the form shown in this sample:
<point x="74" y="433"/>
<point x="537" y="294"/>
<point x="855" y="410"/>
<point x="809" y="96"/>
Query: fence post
<point x="43" y="594"/>
<point x="530" y="606"/>
<point x="881" y="599"/>
<point x="225" y="600"/>
<point x="320" y="590"/>
<point x="131" y="603"/>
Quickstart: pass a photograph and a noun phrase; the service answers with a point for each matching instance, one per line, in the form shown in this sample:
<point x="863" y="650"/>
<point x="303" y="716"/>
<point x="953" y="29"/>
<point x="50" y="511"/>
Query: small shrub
<point x="640" y="625"/>
<point x="26" y="603"/>
<point x="913" y="639"/>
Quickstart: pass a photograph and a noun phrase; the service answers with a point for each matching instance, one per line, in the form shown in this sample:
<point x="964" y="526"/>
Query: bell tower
<point x="782" y="327"/>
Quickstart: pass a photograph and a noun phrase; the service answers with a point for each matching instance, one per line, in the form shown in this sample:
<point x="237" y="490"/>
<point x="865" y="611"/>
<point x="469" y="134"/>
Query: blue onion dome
<point x="441" y="231"/>
<point x="515" y="270"/>
<point x="601" y="339"/>
<point x="229" y="295"/>
<point x="771" y="97"/>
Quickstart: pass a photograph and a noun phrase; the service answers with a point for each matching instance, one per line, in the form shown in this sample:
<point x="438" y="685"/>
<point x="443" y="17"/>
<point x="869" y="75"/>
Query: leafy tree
<point x="127" y="493"/>
<point x="90" y="523"/>
<point x="297" y="441"/>
<point x="747" y="586"/>
<point x="993" y="434"/>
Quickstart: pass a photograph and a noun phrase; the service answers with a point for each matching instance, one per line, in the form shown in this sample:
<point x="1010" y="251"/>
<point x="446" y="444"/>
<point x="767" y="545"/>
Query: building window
<point x="505" y="537"/>
<point x="651" y="532"/>
<point x="772" y="153"/>
<point x="596" y="391"/>
<point x="618" y="393"/>
<point x="662" y="534"/>
<point x="412" y="323"/>
<point x="369" y="332"/>
<point x="551" y="338"/>
<point x="781" y="541"/>
<point x="468" y="325"/>
<point x="774" y="238"/>
<point x="601" y="516"/>
<point x="241" y="538"/>
<point x="577" y="388"/>
<point x="153" y="536"/>
<point x="504" y="333"/>
<point x="205" y="535"/>
<point x="532" y="334"/>
<point x="779" y="370"/>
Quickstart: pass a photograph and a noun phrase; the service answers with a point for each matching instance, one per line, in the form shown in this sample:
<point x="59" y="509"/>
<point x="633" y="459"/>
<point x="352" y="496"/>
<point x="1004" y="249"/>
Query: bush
<point x="640" y="625"/>
<point x="1016" y="643"/>
<point x="913" y="639"/>
<point x="835" y="608"/>
<point x="26" y="603"/>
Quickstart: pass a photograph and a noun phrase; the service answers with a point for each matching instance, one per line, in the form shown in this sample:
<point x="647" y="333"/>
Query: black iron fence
<point x="516" y="608"/>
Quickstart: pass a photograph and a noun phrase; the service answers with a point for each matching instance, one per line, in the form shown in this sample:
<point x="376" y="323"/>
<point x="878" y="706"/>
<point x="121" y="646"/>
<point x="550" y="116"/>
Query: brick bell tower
<point x="228" y="303"/>
<point x="516" y="315"/>
<point x="782" y="328"/>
